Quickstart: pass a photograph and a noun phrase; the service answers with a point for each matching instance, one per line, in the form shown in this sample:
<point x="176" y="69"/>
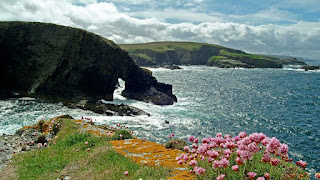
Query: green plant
<point x="176" y="144"/>
<point x="122" y="134"/>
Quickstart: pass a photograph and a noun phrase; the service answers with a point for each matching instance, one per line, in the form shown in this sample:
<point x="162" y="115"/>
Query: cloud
<point x="296" y="39"/>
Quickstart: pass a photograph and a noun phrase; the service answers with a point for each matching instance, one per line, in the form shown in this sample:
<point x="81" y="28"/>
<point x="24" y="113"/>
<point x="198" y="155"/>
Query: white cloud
<point x="298" y="39"/>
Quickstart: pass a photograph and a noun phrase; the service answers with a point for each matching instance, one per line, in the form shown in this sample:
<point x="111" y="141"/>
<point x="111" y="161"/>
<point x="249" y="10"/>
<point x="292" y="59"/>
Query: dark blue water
<point x="280" y="103"/>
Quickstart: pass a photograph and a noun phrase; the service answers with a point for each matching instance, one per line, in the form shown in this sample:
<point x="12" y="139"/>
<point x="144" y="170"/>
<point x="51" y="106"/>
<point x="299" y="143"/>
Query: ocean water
<point x="282" y="103"/>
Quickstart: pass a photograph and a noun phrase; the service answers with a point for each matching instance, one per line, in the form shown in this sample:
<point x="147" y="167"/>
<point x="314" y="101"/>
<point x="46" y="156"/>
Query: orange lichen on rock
<point x="153" y="154"/>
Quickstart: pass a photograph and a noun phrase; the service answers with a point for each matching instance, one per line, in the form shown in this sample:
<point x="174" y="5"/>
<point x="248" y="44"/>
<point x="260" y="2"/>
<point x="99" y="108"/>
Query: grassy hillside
<point x="193" y="53"/>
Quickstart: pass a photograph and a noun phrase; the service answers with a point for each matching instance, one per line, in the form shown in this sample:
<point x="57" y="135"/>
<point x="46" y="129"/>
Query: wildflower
<point x="302" y="164"/>
<point x="196" y="140"/>
<point x="317" y="176"/>
<point x="88" y="149"/>
<point x="212" y="153"/>
<point x="273" y="145"/>
<point x="224" y="162"/>
<point x="120" y="136"/>
<point x="39" y="144"/>
<point x="180" y="162"/>
<point x="172" y="134"/>
<point x="274" y="161"/>
<point x="216" y="164"/>
<point x="284" y="148"/>
<point x="242" y="134"/>
<point x="227" y="151"/>
<point x="267" y="175"/>
<point x="239" y="161"/>
<point x="218" y="135"/>
<point x="199" y="170"/>
<point x="177" y="158"/>
<point x="202" y="149"/>
<point x="260" y="178"/>
<point x="252" y="175"/>
<point x="235" y="168"/>
<point x="192" y="162"/>
<point x="255" y="137"/>
<point x="220" y="177"/>
<point x="86" y="143"/>
<point x="210" y="159"/>
<point x="205" y="140"/>
<point x="77" y="150"/>
<point x="191" y="138"/>
<point x="265" y="158"/>
<point x="126" y="173"/>
<point x="186" y="148"/>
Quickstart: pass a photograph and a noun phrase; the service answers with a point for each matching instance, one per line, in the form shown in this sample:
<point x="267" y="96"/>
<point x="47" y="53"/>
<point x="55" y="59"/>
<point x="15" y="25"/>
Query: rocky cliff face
<point x="64" y="63"/>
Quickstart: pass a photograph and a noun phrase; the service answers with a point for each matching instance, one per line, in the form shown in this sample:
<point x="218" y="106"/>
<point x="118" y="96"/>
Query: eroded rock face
<point x="68" y="64"/>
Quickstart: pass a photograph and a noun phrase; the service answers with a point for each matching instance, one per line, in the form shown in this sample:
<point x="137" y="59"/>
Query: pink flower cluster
<point x="217" y="151"/>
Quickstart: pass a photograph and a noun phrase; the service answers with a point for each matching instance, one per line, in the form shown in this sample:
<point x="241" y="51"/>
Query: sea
<point x="282" y="103"/>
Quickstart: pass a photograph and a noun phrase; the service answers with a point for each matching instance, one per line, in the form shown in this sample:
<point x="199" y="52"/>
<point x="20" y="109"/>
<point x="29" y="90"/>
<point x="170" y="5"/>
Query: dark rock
<point x="61" y="63"/>
<point x="109" y="109"/>
<point x="307" y="68"/>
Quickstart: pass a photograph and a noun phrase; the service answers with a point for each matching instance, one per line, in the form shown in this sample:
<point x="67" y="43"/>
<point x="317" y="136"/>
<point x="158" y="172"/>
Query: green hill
<point x="185" y="53"/>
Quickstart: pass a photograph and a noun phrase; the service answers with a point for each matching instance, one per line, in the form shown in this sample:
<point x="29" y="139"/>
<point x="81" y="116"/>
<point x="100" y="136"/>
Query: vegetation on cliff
<point x="185" y="53"/>
<point x="67" y="64"/>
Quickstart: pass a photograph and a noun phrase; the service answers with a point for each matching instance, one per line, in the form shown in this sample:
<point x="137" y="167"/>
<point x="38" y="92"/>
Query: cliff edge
<point x="67" y="64"/>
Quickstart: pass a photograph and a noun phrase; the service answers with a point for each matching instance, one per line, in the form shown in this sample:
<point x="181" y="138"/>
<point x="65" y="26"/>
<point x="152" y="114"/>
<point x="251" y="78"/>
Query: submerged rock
<point x="61" y="63"/>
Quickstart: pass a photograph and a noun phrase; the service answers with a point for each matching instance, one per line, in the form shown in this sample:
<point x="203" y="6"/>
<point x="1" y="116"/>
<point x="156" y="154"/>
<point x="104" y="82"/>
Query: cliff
<point x="68" y="64"/>
<point x="185" y="53"/>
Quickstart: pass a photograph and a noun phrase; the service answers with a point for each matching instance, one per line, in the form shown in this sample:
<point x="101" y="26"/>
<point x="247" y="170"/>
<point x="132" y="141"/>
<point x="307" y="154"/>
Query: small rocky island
<point x="73" y="66"/>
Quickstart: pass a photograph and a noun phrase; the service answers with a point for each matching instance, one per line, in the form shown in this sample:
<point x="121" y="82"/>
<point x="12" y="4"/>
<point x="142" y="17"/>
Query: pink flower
<point x="216" y="164"/>
<point x="202" y="149"/>
<point x="180" y="162"/>
<point x="88" y="149"/>
<point x="212" y="153"/>
<point x="192" y="162"/>
<point x="196" y="140"/>
<point x="86" y="143"/>
<point x="194" y="146"/>
<point x="205" y="140"/>
<point x="236" y="138"/>
<point x="239" y="161"/>
<point x="301" y="163"/>
<point x="253" y="148"/>
<point x="191" y="138"/>
<point x="227" y="151"/>
<point x="252" y="175"/>
<point x="210" y="159"/>
<point x="235" y="168"/>
<point x="260" y="178"/>
<point x="317" y="175"/>
<point x="220" y="177"/>
<point x="274" y="161"/>
<point x="218" y="135"/>
<point x="273" y="145"/>
<point x="186" y="148"/>
<point x="120" y="136"/>
<point x="172" y="134"/>
<point x="255" y="137"/>
<point x="177" y="158"/>
<point x="284" y="148"/>
<point x="224" y="162"/>
<point x="267" y="175"/>
<point x="126" y="173"/>
<point x="242" y="134"/>
<point x="199" y="170"/>
<point x="265" y="158"/>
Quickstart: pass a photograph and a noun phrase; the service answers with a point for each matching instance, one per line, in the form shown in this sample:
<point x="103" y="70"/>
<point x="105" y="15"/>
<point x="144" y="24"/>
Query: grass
<point x="165" y="46"/>
<point x="69" y="157"/>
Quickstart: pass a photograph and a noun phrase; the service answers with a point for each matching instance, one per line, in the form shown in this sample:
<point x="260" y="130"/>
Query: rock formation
<point x="67" y="64"/>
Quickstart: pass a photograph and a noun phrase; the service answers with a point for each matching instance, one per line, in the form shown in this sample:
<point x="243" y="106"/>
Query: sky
<point x="280" y="27"/>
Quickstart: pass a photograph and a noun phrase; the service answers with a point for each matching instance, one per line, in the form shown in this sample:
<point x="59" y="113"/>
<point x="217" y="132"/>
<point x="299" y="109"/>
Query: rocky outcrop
<point x="308" y="68"/>
<point x="108" y="109"/>
<point x="191" y="53"/>
<point x="67" y="64"/>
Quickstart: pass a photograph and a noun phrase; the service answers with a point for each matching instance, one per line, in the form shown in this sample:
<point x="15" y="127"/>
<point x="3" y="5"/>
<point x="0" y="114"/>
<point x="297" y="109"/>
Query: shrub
<point x="176" y="144"/>
<point x="122" y="134"/>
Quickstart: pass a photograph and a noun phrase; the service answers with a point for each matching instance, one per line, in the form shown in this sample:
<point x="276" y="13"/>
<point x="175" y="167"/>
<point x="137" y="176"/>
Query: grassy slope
<point x="101" y="162"/>
<point x="143" y="51"/>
